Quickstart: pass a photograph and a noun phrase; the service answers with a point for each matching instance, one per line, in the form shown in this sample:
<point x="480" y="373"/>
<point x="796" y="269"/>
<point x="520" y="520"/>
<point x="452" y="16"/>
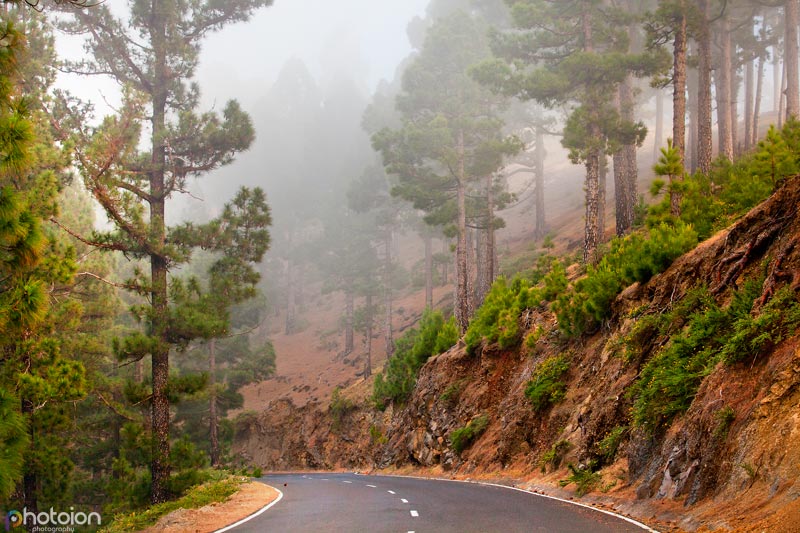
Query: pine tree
<point x="152" y="55"/>
<point x="569" y="53"/>
<point x="448" y="123"/>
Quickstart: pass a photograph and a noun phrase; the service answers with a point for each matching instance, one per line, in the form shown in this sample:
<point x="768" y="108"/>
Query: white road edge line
<point x="391" y="492"/>
<point x="610" y="513"/>
<point x="414" y="514"/>
<point x="248" y="518"/>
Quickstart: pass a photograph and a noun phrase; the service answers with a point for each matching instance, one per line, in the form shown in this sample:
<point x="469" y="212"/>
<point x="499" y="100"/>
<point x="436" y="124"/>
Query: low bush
<point x="462" y="438"/>
<point x="552" y="458"/>
<point x="699" y="334"/>
<point x="607" y="448"/>
<point x="498" y="318"/>
<point x="585" y="479"/>
<point x="636" y="257"/>
<point x="434" y="335"/>
<point x="545" y="387"/>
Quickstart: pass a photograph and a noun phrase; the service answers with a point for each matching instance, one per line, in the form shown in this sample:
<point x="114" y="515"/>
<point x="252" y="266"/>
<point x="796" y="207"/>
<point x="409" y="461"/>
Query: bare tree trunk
<point x="777" y="80"/>
<point x="792" y="58"/>
<point x="734" y="101"/>
<point x="428" y="272"/>
<point x="757" y="104"/>
<point x="692" y="82"/>
<point x="723" y="93"/>
<point x="601" y="200"/>
<point x="299" y="296"/>
<point x="782" y="100"/>
<point x="658" y="134"/>
<point x="591" y="238"/>
<point x="625" y="171"/>
<point x="463" y="307"/>
<point x="213" y="434"/>
<point x="387" y="295"/>
<point x="368" y="337"/>
<point x="748" y="103"/>
<point x="679" y="89"/>
<point x="445" y="265"/>
<point x="540" y="154"/>
<point x="704" y="130"/>
<point x="348" y="321"/>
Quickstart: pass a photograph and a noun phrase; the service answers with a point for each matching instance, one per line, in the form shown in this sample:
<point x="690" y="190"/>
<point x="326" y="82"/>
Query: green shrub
<point x="669" y="381"/>
<point x="545" y="387"/>
<point x="462" y="438"/>
<point x="607" y="448"/>
<point x="636" y="257"/>
<point x="585" y="479"/>
<point x="434" y="335"/>
<point x="339" y="407"/>
<point x="554" y="455"/>
<point x="725" y="418"/>
<point x="376" y="435"/>
<point x="751" y="336"/>
<point x="497" y="320"/>
<point x="452" y="393"/>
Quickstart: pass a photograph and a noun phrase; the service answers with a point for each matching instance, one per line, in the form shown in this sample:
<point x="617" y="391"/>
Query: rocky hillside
<point x="614" y="412"/>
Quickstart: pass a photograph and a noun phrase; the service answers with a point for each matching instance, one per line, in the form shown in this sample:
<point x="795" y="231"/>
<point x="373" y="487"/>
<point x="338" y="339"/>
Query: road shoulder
<point x="250" y="498"/>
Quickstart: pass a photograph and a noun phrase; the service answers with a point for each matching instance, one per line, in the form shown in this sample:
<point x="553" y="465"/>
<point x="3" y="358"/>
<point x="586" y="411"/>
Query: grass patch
<point x="217" y="490"/>
<point x="546" y="387"/>
<point x="725" y="418"/>
<point x="462" y="438"/>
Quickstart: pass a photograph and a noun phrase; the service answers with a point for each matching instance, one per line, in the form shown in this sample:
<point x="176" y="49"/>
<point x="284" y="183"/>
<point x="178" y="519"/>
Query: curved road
<point x="371" y="504"/>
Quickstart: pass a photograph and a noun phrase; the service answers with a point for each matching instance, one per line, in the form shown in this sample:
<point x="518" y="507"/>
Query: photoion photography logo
<point x="13" y="519"/>
<point x="52" y="520"/>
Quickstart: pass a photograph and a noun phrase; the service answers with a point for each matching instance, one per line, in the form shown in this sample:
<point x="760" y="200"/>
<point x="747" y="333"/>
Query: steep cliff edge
<point x="728" y="460"/>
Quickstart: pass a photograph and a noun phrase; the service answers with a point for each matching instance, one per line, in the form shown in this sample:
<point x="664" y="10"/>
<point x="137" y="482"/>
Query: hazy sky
<point x="367" y="37"/>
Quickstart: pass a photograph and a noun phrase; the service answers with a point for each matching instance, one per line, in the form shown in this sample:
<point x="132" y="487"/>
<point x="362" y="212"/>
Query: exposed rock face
<point x="690" y="460"/>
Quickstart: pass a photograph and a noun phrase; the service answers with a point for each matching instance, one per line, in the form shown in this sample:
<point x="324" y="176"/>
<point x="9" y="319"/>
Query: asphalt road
<point x="372" y="504"/>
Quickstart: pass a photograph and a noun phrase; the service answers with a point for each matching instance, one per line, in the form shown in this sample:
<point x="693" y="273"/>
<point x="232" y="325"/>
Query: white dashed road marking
<point x="414" y="514"/>
<point x="403" y="500"/>
<point x="390" y="491"/>
<point x="372" y="486"/>
<point x="346" y="481"/>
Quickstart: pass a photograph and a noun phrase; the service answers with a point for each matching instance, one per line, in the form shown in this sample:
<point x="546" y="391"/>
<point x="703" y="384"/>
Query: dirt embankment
<point x="688" y="475"/>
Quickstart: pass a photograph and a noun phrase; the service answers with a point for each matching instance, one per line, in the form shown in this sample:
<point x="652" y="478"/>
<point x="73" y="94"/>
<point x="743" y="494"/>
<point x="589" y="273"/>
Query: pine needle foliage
<point x="434" y="335"/>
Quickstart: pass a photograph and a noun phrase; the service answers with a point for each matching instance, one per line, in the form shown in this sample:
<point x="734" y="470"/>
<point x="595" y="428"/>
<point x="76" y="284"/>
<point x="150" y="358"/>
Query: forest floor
<point x="250" y="498"/>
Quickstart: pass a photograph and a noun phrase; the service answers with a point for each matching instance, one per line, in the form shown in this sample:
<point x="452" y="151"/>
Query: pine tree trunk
<point x="625" y="171"/>
<point x="481" y="265"/>
<point x="692" y="83"/>
<point x="679" y="89"/>
<point x="445" y="265"/>
<point x="723" y="93"/>
<point x="462" y="304"/>
<point x="734" y="101"/>
<point x="387" y="295"/>
<point x="601" y="198"/>
<point x="299" y="296"/>
<point x="368" y="337"/>
<point x="592" y="224"/>
<point x="792" y="58"/>
<point x="428" y="272"/>
<point x="748" y="103"/>
<point x="704" y="129"/>
<point x="757" y="104"/>
<point x="541" y="222"/>
<point x="782" y="100"/>
<point x="213" y="434"/>
<point x="160" y="467"/>
<point x="658" y="134"/>
<point x="348" y="321"/>
<point x="777" y="69"/>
